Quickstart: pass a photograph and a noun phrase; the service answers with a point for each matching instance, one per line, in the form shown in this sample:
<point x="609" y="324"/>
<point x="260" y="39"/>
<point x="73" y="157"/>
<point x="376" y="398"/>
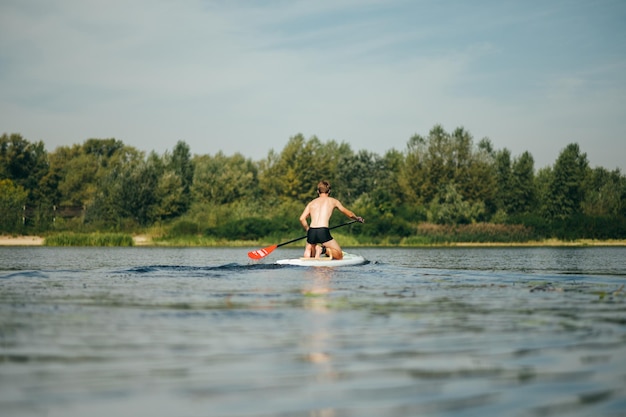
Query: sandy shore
<point x="21" y="240"/>
<point x="6" y="240"/>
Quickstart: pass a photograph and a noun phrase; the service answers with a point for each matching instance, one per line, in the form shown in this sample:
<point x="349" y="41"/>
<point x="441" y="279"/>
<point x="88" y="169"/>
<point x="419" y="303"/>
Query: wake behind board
<point x="348" y="259"/>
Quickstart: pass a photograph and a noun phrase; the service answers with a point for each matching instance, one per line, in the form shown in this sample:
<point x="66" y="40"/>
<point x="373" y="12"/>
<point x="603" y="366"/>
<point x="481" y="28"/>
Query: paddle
<point x="262" y="253"/>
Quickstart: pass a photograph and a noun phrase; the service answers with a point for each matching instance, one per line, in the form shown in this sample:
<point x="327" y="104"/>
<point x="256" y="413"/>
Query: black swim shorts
<point x="318" y="235"/>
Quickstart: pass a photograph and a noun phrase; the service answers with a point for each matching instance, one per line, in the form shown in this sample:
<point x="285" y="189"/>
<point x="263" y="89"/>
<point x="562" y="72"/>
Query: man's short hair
<point x="323" y="187"/>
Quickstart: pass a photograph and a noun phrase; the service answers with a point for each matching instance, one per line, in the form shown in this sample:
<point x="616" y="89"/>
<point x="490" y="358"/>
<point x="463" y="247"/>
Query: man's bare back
<point x="320" y="210"/>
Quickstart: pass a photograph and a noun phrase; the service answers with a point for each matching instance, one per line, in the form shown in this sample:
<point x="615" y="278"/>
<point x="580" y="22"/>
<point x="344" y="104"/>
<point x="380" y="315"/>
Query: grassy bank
<point x="197" y="241"/>
<point x="89" y="239"/>
<point x="423" y="235"/>
<point x="352" y="242"/>
<point x="189" y="234"/>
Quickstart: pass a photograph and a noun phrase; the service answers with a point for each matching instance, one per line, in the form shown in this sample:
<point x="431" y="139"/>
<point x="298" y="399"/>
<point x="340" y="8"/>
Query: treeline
<point x="441" y="187"/>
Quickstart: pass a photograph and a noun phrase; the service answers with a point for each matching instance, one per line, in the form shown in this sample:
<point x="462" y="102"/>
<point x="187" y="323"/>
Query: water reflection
<point x="318" y="283"/>
<point x="318" y="344"/>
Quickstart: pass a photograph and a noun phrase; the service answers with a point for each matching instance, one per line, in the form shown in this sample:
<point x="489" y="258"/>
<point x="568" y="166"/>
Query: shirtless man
<point x="318" y="232"/>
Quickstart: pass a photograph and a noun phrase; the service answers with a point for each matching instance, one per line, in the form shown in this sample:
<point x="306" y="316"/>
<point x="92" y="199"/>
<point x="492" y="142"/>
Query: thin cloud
<point x="245" y="76"/>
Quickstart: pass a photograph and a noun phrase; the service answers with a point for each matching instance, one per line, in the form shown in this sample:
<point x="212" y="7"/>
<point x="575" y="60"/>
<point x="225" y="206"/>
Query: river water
<point x="414" y="332"/>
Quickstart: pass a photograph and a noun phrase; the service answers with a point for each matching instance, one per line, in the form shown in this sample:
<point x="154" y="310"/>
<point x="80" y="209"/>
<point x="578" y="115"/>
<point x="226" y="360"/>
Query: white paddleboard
<point x="348" y="259"/>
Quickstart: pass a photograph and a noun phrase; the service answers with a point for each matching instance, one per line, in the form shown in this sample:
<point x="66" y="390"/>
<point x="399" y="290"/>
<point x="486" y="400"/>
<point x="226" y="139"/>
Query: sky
<point x="244" y="76"/>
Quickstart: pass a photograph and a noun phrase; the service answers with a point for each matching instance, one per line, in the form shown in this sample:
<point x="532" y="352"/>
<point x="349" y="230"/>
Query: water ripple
<point x="423" y="332"/>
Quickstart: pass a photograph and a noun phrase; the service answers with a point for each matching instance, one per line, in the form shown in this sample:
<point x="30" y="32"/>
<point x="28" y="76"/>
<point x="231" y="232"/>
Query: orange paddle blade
<point x="261" y="253"/>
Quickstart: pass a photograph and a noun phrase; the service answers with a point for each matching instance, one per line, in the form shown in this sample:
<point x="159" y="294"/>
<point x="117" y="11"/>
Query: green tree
<point x="170" y="195"/>
<point x="24" y="163"/>
<point x="486" y="146"/>
<point x="102" y="149"/>
<point x="127" y="193"/>
<point x="181" y="165"/>
<point x="605" y="193"/>
<point x="523" y="195"/>
<point x="386" y="192"/>
<point x="357" y="174"/>
<point x="141" y="193"/>
<point x="478" y="180"/>
<point x="57" y="171"/>
<point x="331" y="154"/>
<point x="222" y="179"/>
<point x="12" y="200"/>
<point x="441" y="159"/>
<point x="504" y="186"/>
<point x="543" y="179"/>
<point x="566" y="188"/>
<point x="450" y="208"/>
<point x="413" y="178"/>
<point x="91" y="176"/>
<point x="77" y="172"/>
<point x="383" y="204"/>
<point x="439" y="169"/>
<point x="295" y="172"/>
<point x="79" y="180"/>
<point x="462" y="159"/>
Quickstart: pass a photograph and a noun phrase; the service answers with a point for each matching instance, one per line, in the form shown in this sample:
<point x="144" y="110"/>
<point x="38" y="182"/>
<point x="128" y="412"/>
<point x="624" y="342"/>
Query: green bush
<point x="184" y="228"/>
<point x="475" y="232"/>
<point x="538" y="224"/>
<point x="250" y="228"/>
<point x="385" y="226"/>
<point x="589" y="227"/>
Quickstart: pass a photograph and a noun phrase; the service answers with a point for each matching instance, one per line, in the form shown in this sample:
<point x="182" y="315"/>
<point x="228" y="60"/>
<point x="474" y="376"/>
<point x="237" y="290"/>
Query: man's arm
<point x="305" y="214"/>
<point x="347" y="212"/>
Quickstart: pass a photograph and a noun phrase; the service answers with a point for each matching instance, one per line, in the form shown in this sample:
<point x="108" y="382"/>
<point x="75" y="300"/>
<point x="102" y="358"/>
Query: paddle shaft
<point x="261" y="253"/>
